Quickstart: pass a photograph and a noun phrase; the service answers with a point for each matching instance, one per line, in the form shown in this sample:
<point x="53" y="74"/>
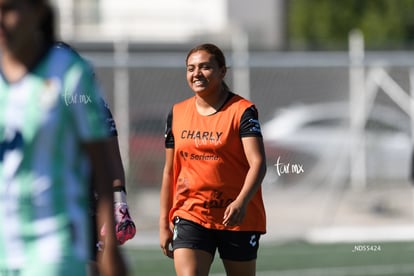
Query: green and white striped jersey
<point x="44" y="175"/>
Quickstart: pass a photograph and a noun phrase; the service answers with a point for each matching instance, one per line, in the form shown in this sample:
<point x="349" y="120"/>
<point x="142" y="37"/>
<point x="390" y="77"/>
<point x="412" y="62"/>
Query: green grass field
<point x="299" y="259"/>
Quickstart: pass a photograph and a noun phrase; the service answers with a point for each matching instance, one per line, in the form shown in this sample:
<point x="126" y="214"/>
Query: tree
<point x="325" y="24"/>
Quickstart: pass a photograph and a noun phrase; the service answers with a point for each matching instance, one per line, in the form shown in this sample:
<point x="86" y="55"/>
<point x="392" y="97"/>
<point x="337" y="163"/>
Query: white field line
<point x="377" y="270"/>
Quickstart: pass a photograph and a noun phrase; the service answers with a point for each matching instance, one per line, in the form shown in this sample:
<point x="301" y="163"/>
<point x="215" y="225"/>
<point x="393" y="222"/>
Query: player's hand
<point x="166" y="237"/>
<point x="124" y="226"/>
<point x="234" y="214"/>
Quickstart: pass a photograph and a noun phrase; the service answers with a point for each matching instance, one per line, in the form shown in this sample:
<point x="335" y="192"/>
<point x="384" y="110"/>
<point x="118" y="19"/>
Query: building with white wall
<point x="172" y="21"/>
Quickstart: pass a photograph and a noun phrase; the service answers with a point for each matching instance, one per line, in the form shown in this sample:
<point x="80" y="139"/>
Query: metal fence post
<point x="357" y="110"/>
<point x="240" y="58"/>
<point x="121" y="98"/>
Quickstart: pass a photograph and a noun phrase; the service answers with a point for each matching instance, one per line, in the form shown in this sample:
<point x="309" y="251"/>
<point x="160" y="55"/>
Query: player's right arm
<point x="166" y="198"/>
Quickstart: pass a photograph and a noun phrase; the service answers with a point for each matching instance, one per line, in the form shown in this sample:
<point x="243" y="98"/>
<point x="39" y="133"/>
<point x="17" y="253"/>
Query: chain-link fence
<point x="278" y="81"/>
<point x="307" y="145"/>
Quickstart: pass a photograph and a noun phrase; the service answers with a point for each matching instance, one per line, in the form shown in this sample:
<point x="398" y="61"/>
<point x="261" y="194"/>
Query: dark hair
<point x="215" y="52"/>
<point x="47" y="25"/>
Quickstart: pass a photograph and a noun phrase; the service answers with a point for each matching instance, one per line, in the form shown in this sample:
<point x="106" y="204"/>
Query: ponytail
<point x="225" y="86"/>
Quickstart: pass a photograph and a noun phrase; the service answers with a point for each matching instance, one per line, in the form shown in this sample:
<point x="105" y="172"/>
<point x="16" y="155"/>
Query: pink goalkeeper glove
<point x="124" y="226"/>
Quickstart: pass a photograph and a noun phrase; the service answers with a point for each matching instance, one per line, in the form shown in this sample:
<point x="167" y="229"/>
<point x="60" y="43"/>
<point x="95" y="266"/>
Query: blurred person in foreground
<point x="53" y="140"/>
<point x="124" y="225"/>
<point x="215" y="162"/>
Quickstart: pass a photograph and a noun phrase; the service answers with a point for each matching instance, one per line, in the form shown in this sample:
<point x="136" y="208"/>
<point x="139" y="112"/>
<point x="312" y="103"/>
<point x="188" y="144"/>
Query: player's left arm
<point x="253" y="149"/>
<point x="110" y="261"/>
<point x="119" y="173"/>
<point x="255" y="154"/>
<point x="124" y="226"/>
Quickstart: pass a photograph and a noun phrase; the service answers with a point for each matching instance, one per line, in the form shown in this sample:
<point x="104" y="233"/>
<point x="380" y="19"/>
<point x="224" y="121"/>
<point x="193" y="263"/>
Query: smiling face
<point x="204" y="73"/>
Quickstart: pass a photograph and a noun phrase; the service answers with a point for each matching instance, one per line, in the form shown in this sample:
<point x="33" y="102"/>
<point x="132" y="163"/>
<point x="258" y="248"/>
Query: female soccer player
<point x="52" y="138"/>
<point x="211" y="190"/>
<point x="124" y="226"/>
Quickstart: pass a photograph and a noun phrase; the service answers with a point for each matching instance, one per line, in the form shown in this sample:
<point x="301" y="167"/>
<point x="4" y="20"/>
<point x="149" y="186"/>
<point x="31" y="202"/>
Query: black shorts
<point x="231" y="245"/>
